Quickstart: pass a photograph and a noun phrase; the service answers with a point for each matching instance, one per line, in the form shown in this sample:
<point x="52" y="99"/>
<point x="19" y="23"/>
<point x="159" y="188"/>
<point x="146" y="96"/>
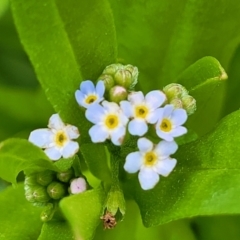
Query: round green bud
<point x="123" y="78"/>
<point x="174" y="90"/>
<point x="66" y="176"/>
<point x="134" y="73"/>
<point x="30" y="180"/>
<point x="56" y="190"/>
<point x="37" y="194"/>
<point x="117" y="94"/>
<point x="47" y="213"/>
<point x="111" y="69"/>
<point x="107" y="80"/>
<point x="189" y="104"/>
<point x="45" y="178"/>
<point x="177" y="103"/>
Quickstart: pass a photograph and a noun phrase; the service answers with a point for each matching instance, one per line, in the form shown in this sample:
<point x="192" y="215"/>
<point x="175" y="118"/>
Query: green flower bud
<point x="57" y="190"/>
<point x="45" y="178"/>
<point x="47" y="213"/>
<point x="117" y="94"/>
<point x="66" y="176"/>
<point x="37" y="194"/>
<point x="134" y="72"/>
<point x="177" y="103"/>
<point x="107" y="80"/>
<point x="123" y="78"/>
<point x="30" y="180"/>
<point x="112" y="69"/>
<point x="174" y="90"/>
<point x="189" y="104"/>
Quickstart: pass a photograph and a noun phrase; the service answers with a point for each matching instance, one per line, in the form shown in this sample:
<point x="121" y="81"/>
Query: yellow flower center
<point x="90" y="99"/>
<point x="166" y="125"/>
<point x="150" y="158"/>
<point x="61" y="138"/>
<point x="141" y="111"/>
<point x="111" y="121"/>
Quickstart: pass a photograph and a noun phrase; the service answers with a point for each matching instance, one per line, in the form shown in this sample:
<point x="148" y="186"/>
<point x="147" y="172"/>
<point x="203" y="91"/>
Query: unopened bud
<point x="189" y="104"/>
<point x="107" y="80"/>
<point x="123" y="78"/>
<point x="47" y="213"/>
<point x="111" y="69"/>
<point x="45" y="178"/>
<point x="177" y="103"/>
<point x="117" y="94"/>
<point x="56" y="190"/>
<point x="30" y="180"/>
<point x="174" y="90"/>
<point x="37" y="194"/>
<point x="78" y="185"/>
<point x="134" y="72"/>
<point x="65" y="176"/>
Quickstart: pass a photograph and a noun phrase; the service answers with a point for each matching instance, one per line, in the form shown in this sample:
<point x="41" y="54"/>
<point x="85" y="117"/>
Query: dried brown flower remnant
<point x="109" y="221"/>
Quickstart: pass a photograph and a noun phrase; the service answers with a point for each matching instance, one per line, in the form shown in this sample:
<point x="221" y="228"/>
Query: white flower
<point x="151" y="161"/>
<point x="109" y="120"/>
<point x="57" y="139"/>
<point x="170" y="121"/>
<point x="89" y="94"/>
<point x="78" y="185"/>
<point x="143" y="110"/>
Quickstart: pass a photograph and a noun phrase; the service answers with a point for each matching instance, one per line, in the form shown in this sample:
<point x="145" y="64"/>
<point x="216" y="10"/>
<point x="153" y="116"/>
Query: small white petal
<point x="164" y="149"/>
<point x="178" y="131"/>
<point x="53" y="153"/>
<point x="70" y="149"/>
<point x="166" y="166"/>
<point x="87" y="87"/>
<point x="133" y="162"/>
<point x="110" y="106"/>
<point x="124" y="120"/>
<point x="80" y="98"/>
<point x="179" y="117"/>
<point x="137" y="127"/>
<point x="144" y="145"/>
<point x="94" y="113"/>
<point x="155" y="99"/>
<point x="148" y="178"/>
<point x="98" y="134"/>
<point x="164" y="135"/>
<point x="136" y="97"/>
<point x="55" y="122"/>
<point x="168" y="109"/>
<point x="100" y="89"/>
<point x="118" y="135"/>
<point x="41" y="137"/>
<point x="72" y="131"/>
<point x="78" y="185"/>
<point x="127" y="108"/>
<point x="154" y="116"/>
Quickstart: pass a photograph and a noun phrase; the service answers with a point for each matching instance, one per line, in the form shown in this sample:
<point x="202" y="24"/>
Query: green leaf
<point x="19" y="219"/>
<point x="97" y="160"/>
<point x="59" y="48"/>
<point x="170" y="37"/>
<point x="19" y="154"/>
<point x="205" y="182"/>
<point x="83" y="212"/>
<point x="56" y="230"/>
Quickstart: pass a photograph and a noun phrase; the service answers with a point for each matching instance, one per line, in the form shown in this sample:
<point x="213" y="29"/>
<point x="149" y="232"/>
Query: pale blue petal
<point x="95" y="113"/>
<point x="155" y="99"/>
<point x="168" y="109"/>
<point x="144" y="145"/>
<point x="70" y="149"/>
<point x="123" y="118"/>
<point x="117" y="136"/>
<point x="53" y="153"/>
<point x="55" y="122"/>
<point x="136" y="97"/>
<point x="155" y="115"/>
<point x="179" y="117"/>
<point x="148" y="178"/>
<point x="80" y="97"/>
<point x="87" y="87"/>
<point x="72" y="131"/>
<point x="98" y="134"/>
<point x="127" y="108"/>
<point x="165" y="166"/>
<point x="164" y="135"/>
<point x="137" y="127"/>
<point x="178" y="131"/>
<point x="100" y="89"/>
<point x="110" y="106"/>
<point x="41" y="137"/>
<point x="133" y="162"/>
<point x="164" y="149"/>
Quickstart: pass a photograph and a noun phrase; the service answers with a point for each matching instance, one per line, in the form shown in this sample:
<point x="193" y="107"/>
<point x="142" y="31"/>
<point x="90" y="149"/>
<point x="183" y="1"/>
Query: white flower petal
<point x="164" y="149"/>
<point x="53" y="153"/>
<point x="55" y="122"/>
<point x="100" y="89"/>
<point x="124" y="120"/>
<point x="136" y="97"/>
<point x="166" y="166"/>
<point x="154" y="116"/>
<point x="87" y="87"/>
<point x="98" y="134"/>
<point x="133" y="162"/>
<point x="110" y="106"/>
<point x="70" y="149"/>
<point x="164" y="135"/>
<point x="94" y="113"/>
<point x="179" y="117"/>
<point x="178" y="131"/>
<point x="144" y="145"/>
<point x="137" y="127"/>
<point x="168" y="109"/>
<point x="80" y="98"/>
<point x="155" y="99"/>
<point x="118" y="135"/>
<point x="127" y="108"/>
<point x="41" y="137"/>
<point x="78" y="185"/>
<point x="148" y="178"/>
<point x="72" y="131"/>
